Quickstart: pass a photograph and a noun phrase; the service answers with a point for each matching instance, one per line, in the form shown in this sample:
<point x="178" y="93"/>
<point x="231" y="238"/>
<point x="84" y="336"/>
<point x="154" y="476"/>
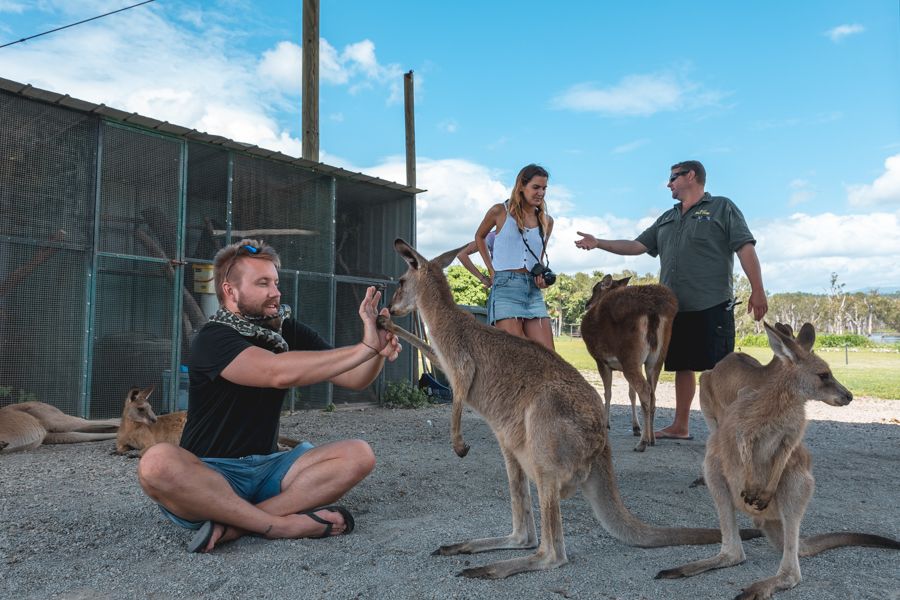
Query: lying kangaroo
<point x="549" y="422"/>
<point x="141" y="428"/>
<point x="628" y="329"/>
<point x="756" y="461"/>
<point x="28" y="425"/>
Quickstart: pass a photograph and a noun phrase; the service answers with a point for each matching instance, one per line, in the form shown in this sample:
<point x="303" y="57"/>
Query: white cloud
<point x="448" y="126"/>
<point x="838" y="33"/>
<point x="884" y="190"/>
<point x="801" y="191"/>
<point x="637" y="95"/>
<point x="356" y="66"/>
<point x="9" y="6"/>
<point x="630" y="146"/>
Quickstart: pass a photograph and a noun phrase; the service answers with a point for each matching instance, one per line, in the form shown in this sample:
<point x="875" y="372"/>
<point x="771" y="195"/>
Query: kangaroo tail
<point x="602" y="491"/>
<point x="810" y="546"/>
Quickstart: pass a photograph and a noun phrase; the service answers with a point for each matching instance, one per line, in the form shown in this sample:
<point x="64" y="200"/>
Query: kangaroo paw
<point x="461" y="450"/>
<point x="452" y="550"/>
<point x="384" y="322"/>
<point x="756" y="498"/>
<point x="480" y="573"/>
<point x="675" y="573"/>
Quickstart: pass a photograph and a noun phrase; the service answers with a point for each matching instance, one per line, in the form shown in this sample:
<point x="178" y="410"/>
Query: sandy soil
<point x="75" y="525"/>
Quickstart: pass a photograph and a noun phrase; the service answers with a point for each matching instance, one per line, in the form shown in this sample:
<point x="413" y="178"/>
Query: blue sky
<point x="794" y="107"/>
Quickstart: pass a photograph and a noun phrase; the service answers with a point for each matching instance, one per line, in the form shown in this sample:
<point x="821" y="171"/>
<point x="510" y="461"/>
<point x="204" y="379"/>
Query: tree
<point x="465" y="287"/>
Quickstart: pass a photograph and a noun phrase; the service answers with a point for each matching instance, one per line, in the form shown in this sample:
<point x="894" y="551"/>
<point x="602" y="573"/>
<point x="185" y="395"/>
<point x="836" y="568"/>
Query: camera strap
<point x="543" y="243"/>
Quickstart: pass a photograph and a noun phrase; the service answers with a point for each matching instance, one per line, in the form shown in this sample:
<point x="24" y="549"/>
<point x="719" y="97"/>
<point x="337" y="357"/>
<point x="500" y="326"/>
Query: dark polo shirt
<point x="696" y="250"/>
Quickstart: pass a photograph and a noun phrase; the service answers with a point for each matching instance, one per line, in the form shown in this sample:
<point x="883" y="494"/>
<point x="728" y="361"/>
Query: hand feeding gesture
<point x="587" y="241"/>
<point x="758" y="305"/>
<point x="383" y="342"/>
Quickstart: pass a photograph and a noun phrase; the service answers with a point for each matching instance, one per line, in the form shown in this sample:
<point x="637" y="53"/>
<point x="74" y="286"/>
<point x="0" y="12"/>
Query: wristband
<point x="372" y="348"/>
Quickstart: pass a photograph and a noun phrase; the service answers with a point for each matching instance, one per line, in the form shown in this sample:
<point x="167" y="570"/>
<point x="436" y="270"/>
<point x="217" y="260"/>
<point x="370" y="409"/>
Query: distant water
<point x="885" y="338"/>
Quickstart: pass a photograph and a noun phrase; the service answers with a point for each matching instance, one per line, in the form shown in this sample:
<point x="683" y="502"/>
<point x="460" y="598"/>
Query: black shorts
<point x="700" y="339"/>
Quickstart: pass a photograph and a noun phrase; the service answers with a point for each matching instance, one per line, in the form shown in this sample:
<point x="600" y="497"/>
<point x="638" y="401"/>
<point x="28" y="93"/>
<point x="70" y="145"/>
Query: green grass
<point x="866" y="372"/>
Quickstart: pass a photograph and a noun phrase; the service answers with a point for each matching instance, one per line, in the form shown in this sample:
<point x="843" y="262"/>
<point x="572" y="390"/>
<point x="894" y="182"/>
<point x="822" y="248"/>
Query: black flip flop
<point x="201" y="538"/>
<point x="348" y="519"/>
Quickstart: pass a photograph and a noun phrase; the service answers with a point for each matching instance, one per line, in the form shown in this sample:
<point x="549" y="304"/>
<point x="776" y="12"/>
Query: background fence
<point x="107" y="232"/>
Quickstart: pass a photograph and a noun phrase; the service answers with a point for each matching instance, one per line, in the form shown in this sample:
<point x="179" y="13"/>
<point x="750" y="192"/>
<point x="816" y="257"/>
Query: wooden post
<point x="310" y="141"/>
<point x="410" y="129"/>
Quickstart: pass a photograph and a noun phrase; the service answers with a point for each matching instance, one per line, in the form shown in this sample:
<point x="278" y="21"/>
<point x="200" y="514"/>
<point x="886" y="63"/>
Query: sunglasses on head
<point x="675" y="176"/>
<point x="246" y="247"/>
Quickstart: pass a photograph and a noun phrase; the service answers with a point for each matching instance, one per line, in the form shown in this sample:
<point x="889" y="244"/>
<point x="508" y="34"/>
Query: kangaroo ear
<point x="145" y="393"/>
<point x="807" y="336"/>
<point x="133" y="394"/>
<point x="606" y="281"/>
<point x="623" y="282"/>
<point x="785" y="329"/>
<point x="443" y="261"/>
<point x="783" y="346"/>
<point x="409" y="254"/>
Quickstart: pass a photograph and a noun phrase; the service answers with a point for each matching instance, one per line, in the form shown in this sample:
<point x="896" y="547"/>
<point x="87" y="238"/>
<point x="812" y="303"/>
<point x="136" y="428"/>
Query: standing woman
<point x="522" y="228"/>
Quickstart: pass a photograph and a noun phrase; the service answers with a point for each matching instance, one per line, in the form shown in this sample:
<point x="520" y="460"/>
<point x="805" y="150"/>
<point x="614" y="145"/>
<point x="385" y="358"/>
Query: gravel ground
<point x="75" y="524"/>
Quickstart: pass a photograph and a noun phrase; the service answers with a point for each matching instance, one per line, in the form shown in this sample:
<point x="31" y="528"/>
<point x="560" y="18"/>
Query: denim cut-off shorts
<point x="254" y="478"/>
<point x="515" y="295"/>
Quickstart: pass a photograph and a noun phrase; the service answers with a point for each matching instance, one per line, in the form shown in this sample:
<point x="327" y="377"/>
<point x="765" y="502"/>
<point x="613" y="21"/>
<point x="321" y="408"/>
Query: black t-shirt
<point x="227" y="420"/>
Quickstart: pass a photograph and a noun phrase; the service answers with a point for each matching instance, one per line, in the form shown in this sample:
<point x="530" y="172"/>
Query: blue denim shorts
<point x="254" y="478"/>
<point x="515" y="295"/>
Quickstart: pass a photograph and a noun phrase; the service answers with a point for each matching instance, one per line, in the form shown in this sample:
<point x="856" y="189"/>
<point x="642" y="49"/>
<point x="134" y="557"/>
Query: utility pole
<point x="410" y="129"/>
<point x="310" y="107"/>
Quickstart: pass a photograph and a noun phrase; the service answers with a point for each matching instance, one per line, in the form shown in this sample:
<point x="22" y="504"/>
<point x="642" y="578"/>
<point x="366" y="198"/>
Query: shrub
<point x="402" y="394"/>
<point x="825" y="340"/>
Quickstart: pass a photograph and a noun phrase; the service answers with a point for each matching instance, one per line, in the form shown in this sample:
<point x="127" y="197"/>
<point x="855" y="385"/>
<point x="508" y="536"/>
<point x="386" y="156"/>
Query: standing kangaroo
<point x="756" y="461"/>
<point x="28" y="425"/>
<point x="549" y="422"/>
<point x="628" y="329"/>
<point x="141" y="428"/>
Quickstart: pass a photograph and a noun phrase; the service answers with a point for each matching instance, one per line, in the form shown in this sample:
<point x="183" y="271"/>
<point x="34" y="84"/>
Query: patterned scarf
<point x="265" y="330"/>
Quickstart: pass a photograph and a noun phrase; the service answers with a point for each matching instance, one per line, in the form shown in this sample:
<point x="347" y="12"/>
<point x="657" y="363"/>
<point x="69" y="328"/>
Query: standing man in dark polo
<point x="696" y="242"/>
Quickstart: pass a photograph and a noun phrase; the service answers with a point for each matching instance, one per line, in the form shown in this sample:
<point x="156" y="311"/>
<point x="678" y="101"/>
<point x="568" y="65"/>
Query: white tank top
<point x="509" y="250"/>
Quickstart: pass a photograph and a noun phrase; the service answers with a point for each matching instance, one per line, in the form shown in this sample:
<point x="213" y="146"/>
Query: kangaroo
<point x="28" y="425"/>
<point x="628" y="329"/>
<point x="549" y="422"/>
<point x="141" y="427"/>
<point x="756" y="461"/>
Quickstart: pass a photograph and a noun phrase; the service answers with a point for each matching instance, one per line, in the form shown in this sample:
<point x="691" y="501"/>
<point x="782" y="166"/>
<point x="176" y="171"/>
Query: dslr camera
<point x="549" y="276"/>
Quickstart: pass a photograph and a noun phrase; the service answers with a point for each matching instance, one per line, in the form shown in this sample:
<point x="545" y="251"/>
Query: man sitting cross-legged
<point x="227" y="478"/>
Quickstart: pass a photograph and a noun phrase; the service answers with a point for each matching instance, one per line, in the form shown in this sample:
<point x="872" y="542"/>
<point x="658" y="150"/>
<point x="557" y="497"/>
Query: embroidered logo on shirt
<point x="702" y="215"/>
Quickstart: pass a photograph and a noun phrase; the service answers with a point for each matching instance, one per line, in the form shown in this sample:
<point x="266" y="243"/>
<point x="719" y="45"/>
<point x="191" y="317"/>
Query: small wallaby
<point x="28" y="425"/>
<point x="141" y="427"/>
<point x="628" y="329"/>
<point x="549" y="422"/>
<point x="756" y="461"/>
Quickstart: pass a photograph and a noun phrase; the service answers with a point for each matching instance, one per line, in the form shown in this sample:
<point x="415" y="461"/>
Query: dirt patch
<point x="76" y="525"/>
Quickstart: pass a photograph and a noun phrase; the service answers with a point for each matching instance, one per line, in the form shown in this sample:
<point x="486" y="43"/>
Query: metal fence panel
<point x="47" y="170"/>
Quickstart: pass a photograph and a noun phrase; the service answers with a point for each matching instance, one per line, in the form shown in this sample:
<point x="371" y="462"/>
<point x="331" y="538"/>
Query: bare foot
<point x="323" y="522"/>
<point x="670" y="433"/>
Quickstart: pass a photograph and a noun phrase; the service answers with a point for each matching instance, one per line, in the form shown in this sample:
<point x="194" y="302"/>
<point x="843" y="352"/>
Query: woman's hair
<point x="227" y="257"/>
<point x="517" y="199"/>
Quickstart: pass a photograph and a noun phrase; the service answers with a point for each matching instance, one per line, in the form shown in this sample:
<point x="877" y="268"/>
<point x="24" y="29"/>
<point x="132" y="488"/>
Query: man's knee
<point x="362" y="456"/>
<point x="159" y="464"/>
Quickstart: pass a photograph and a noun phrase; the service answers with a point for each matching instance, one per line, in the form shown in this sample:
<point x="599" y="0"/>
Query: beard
<point x="256" y="314"/>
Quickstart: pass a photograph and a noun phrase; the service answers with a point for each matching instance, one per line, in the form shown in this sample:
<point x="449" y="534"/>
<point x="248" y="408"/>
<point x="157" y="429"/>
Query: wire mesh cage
<point x="106" y="246"/>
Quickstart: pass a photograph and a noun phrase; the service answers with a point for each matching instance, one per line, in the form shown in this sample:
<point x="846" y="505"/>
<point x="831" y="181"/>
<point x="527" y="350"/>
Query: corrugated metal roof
<point x="28" y="91"/>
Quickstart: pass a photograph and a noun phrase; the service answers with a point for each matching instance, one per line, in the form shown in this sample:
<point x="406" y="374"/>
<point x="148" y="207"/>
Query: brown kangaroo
<point x="756" y="461"/>
<point x="628" y="329"/>
<point x="141" y="428"/>
<point x="549" y="422"/>
<point x="28" y="425"/>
